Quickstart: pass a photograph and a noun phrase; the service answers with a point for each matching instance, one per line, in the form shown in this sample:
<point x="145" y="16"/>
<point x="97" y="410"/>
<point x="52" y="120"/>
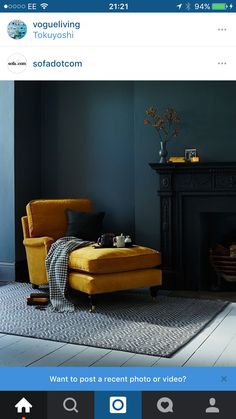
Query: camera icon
<point x="118" y="404"/>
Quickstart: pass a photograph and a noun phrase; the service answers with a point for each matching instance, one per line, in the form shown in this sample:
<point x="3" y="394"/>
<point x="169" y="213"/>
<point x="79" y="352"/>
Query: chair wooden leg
<point x="92" y="303"/>
<point x="153" y="292"/>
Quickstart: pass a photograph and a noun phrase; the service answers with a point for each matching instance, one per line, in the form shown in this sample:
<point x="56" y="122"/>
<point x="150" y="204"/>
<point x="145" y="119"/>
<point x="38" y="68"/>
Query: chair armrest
<point x="39" y="242"/>
<point x="36" y="251"/>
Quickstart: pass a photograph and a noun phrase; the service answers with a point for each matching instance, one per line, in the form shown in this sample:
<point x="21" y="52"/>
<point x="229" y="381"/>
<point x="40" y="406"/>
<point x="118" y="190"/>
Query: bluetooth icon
<point x="188" y="6"/>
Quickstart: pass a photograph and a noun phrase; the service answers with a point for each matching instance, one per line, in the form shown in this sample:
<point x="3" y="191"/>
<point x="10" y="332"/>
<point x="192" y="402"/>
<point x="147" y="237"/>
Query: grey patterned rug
<point x="125" y="321"/>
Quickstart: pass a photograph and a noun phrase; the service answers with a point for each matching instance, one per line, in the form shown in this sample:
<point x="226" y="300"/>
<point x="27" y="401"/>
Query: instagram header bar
<point x="102" y="46"/>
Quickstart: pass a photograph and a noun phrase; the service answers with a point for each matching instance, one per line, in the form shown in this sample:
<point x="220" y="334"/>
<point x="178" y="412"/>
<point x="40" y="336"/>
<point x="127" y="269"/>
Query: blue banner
<point x="117" y="379"/>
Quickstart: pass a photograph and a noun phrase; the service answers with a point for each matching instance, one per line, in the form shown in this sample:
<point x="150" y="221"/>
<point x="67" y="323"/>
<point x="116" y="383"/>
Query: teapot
<point x="106" y="240"/>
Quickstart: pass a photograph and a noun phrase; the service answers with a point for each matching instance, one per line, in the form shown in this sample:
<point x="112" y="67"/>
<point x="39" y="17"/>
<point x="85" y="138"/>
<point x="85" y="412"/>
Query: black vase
<point x="163" y="152"/>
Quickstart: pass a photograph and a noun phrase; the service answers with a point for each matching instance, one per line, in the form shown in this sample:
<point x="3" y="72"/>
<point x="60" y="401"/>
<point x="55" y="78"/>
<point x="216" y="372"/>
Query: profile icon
<point x="17" y="63"/>
<point x="212" y="408"/>
<point x="16" y="29"/>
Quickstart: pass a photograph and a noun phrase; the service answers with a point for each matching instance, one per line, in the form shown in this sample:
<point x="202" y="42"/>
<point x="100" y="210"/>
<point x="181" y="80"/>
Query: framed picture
<point x="189" y="153"/>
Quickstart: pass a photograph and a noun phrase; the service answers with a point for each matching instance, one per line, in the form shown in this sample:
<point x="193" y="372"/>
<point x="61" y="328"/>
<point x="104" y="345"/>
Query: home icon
<point x="23" y="404"/>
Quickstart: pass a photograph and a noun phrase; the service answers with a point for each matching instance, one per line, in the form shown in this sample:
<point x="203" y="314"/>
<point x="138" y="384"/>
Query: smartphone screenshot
<point x="118" y="209"/>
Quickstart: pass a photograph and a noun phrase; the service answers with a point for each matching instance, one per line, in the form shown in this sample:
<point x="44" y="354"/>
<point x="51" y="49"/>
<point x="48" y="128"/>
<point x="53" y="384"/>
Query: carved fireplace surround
<point x="191" y="194"/>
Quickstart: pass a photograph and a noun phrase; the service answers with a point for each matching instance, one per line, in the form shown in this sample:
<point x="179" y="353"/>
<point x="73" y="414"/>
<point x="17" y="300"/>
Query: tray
<point x="96" y="246"/>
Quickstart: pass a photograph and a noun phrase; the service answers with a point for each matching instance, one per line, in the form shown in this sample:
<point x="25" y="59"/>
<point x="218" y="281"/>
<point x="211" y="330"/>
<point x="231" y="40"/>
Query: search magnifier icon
<point x="70" y="405"/>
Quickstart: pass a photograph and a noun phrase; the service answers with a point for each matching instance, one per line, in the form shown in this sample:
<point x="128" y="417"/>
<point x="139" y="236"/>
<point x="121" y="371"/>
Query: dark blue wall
<point x="20" y="167"/>
<point x="95" y="143"/>
<point x="7" y="230"/>
<point x="88" y="147"/>
<point x="27" y="152"/>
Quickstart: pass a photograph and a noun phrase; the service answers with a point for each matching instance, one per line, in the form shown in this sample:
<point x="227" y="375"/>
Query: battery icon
<point x="219" y="6"/>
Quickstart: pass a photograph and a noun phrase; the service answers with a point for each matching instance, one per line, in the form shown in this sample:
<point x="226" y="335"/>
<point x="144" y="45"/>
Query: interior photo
<point x="118" y="235"/>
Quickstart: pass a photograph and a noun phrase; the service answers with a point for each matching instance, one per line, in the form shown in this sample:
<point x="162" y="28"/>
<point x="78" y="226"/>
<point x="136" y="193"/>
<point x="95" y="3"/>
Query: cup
<point x="119" y="241"/>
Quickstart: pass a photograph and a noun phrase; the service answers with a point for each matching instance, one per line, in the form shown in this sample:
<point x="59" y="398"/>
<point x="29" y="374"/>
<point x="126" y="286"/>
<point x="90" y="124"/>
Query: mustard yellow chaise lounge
<point x="92" y="271"/>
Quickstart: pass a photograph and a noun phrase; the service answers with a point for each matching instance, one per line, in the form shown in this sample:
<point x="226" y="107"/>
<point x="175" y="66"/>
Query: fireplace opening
<point x="218" y="258"/>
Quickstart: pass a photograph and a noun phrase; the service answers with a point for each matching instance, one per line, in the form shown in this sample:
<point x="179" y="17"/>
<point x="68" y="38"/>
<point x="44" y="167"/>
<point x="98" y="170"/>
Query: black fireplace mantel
<point x="186" y="191"/>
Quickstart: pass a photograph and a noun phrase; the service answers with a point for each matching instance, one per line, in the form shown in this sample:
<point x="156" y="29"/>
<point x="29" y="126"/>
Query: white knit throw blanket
<point x="57" y="268"/>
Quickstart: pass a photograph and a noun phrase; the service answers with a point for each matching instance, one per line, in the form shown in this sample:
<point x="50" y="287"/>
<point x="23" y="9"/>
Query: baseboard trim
<point x="15" y="271"/>
<point x="7" y="272"/>
<point x="21" y="271"/>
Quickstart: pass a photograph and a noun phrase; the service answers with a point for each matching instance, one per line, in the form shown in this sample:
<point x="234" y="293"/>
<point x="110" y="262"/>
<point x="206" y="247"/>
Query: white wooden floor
<point x="214" y="346"/>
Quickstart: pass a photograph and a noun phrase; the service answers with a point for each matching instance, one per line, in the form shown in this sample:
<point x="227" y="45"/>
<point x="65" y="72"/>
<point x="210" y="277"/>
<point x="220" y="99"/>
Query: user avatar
<point x="212" y="408"/>
<point x="16" y="29"/>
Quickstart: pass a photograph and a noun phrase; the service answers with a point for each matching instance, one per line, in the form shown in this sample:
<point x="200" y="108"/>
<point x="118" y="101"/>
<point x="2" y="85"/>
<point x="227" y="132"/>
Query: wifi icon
<point x="44" y="5"/>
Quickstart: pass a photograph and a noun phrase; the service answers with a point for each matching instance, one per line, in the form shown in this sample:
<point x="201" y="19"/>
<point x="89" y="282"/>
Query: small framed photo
<point x="189" y="153"/>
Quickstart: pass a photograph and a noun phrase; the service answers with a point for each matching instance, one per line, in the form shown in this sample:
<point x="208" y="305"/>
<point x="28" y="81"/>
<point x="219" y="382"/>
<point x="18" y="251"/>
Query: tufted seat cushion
<point x="112" y="260"/>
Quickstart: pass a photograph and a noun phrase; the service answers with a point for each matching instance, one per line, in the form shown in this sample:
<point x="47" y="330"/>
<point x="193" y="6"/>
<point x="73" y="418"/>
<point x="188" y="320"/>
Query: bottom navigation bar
<point x="129" y="405"/>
